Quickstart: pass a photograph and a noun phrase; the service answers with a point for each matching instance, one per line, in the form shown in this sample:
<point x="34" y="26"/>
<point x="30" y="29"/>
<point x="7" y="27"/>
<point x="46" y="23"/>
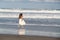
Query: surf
<point x="36" y="11"/>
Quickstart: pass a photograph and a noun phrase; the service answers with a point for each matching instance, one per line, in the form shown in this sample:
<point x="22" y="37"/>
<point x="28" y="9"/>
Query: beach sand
<point x="25" y="37"/>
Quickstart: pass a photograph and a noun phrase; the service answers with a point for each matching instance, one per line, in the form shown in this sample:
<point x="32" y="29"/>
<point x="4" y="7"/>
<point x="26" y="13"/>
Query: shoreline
<point x="25" y="37"/>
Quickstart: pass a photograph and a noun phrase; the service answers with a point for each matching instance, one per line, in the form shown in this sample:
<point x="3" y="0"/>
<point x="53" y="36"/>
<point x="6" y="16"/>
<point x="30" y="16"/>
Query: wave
<point x="52" y="25"/>
<point x="37" y="15"/>
<point x="35" y="11"/>
<point x="12" y="13"/>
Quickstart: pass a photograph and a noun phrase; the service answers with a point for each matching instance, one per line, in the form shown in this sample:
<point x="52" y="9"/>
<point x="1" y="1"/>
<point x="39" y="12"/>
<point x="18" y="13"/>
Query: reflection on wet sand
<point x="21" y="30"/>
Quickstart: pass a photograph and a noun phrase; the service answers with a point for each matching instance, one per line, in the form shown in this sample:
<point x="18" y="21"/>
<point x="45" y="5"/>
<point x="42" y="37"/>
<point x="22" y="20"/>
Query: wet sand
<point x="25" y="37"/>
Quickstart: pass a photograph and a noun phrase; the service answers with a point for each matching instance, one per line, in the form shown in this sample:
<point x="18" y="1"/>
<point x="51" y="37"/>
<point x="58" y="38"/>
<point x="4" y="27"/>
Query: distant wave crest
<point x="35" y="13"/>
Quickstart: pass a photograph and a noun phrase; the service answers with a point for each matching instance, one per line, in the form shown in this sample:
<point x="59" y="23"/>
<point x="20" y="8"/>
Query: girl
<point x="21" y="21"/>
<point x="21" y="30"/>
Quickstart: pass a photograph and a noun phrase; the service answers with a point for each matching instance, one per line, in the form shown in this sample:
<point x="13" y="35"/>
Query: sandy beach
<point x="25" y="37"/>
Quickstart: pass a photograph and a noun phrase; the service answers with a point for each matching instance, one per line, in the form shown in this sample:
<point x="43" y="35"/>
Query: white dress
<point x="21" y="22"/>
<point x="21" y="30"/>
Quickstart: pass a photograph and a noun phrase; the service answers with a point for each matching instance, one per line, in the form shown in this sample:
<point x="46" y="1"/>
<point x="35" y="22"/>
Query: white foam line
<point x="31" y="17"/>
<point x="53" y="25"/>
<point x="9" y="23"/>
<point x="43" y="33"/>
<point x="35" y="11"/>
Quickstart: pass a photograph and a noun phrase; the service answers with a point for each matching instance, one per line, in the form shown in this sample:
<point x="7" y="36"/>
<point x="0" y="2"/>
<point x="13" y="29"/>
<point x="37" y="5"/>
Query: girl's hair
<point x="20" y="15"/>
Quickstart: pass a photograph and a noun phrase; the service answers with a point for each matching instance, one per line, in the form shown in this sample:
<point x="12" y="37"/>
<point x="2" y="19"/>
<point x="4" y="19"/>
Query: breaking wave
<point x="14" y="13"/>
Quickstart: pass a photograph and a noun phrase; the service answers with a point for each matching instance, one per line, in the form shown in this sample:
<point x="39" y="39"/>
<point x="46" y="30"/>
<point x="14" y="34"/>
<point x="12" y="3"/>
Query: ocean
<point x="37" y="24"/>
<point x="29" y="5"/>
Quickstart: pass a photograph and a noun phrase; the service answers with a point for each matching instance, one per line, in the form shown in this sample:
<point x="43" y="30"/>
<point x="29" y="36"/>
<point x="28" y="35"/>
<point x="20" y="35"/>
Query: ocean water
<point x="29" y="5"/>
<point x="37" y="24"/>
